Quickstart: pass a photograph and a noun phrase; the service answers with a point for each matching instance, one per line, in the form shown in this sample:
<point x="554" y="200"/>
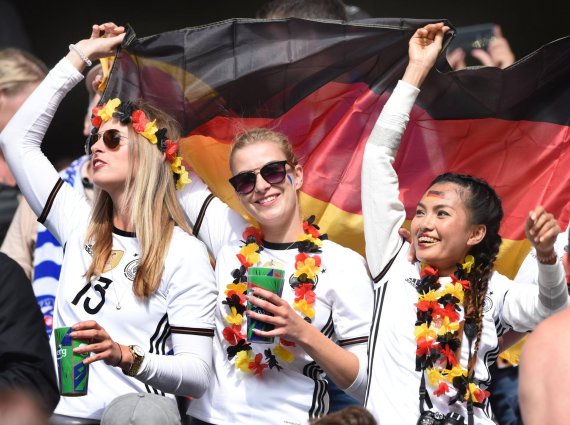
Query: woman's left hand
<point x="99" y="343"/>
<point x="288" y="323"/>
<point x="542" y="229"/>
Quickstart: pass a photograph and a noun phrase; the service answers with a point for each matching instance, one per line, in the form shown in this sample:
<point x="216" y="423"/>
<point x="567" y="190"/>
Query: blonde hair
<point x="261" y="135"/>
<point x="18" y="69"/>
<point x="150" y="199"/>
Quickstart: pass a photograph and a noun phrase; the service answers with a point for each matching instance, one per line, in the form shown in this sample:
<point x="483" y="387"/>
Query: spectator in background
<point x="307" y="9"/>
<point x="498" y="53"/>
<point x="30" y="244"/>
<point x="20" y="408"/>
<point x="20" y="73"/>
<point x="545" y="372"/>
<point x="26" y="365"/>
<point x="539" y="393"/>
<point x="352" y="415"/>
<point x="12" y="32"/>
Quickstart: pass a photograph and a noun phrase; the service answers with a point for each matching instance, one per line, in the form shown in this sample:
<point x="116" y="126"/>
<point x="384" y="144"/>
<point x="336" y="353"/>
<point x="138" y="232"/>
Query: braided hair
<point x="484" y="207"/>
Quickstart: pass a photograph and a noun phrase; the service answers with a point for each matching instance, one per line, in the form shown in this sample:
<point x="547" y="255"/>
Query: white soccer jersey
<point x="182" y="304"/>
<point x="393" y="383"/>
<point x="176" y="319"/>
<point x="297" y="392"/>
<point x="212" y="221"/>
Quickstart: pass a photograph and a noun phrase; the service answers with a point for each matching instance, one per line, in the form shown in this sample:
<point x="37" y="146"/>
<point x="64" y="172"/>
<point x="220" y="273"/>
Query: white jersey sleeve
<point x="528" y="271"/>
<point x="522" y="306"/>
<point x="212" y="221"/>
<point x="352" y="312"/>
<point x="191" y="295"/>
<point x="383" y="212"/>
<point x="37" y="178"/>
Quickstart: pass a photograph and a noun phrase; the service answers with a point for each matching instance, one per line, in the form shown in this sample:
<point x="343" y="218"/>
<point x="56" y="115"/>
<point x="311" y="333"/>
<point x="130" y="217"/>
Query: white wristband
<point x="74" y="48"/>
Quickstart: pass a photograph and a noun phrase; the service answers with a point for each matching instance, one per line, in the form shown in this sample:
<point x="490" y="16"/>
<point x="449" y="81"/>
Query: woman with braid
<point x="436" y="322"/>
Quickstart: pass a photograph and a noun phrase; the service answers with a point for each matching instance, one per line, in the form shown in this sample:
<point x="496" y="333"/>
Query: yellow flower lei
<point x="437" y="326"/>
<point x="307" y="268"/>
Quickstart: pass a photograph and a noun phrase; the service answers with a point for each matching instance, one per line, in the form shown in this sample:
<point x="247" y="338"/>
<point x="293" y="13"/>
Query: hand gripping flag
<point x="323" y="84"/>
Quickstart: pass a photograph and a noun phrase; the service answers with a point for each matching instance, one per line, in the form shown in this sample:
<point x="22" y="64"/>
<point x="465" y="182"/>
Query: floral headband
<point x="127" y="114"/>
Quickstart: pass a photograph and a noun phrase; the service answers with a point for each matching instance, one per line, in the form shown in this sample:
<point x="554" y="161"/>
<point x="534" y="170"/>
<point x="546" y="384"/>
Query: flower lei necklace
<point x="438" y="333"/>
<point x="303" y="281"/>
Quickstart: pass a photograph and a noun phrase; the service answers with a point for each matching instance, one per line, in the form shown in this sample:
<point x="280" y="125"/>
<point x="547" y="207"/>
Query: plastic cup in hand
<point x="272" y="280"/>
<point x="73" y="374"/>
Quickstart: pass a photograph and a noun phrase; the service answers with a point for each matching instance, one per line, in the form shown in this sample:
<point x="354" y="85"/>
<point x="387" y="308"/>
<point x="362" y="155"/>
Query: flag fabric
<point x="324" y="83"/>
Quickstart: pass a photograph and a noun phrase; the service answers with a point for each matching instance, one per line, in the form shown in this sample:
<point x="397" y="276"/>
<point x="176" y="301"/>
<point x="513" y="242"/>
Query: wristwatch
<point x="138" y="357"/>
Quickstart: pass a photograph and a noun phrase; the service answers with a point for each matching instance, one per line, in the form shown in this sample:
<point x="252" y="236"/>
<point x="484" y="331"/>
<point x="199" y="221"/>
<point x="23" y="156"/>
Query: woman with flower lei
<point x="126" y="283"/>
<point x="327" y="298"/>
<point x="437" y="322"/>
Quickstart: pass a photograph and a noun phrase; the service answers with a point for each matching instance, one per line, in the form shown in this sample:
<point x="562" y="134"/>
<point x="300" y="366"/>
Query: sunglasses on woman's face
<point x="272" y="172"/>
<point x="111" y="138"/>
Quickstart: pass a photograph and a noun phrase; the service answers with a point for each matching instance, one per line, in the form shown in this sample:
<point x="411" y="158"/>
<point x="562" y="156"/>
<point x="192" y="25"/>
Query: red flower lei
<point x="303" y="281"/>
<point x="437" y="334"/>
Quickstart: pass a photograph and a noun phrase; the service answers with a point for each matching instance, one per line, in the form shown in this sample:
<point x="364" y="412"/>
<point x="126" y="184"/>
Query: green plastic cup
<point x="267" y="278"/>
<point x="73" y="374"/>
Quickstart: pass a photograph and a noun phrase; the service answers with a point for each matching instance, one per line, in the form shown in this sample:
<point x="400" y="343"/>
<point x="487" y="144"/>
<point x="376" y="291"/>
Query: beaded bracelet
<point x="74" y="48"/>
<point x="547" y="260"/>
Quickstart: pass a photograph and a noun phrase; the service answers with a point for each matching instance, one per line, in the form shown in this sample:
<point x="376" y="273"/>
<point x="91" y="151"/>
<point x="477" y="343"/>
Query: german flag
<point x="323" y="84"/>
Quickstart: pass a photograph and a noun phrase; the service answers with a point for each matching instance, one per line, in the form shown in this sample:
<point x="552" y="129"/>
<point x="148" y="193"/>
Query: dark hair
<point x="308" y="9"/>
<point x="352" y="415"/>
<point x="484" y="207"/>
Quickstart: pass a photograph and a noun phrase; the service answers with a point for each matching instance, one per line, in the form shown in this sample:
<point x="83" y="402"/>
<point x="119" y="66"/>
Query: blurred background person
<point x="492" y="51"/>
<point x="306" y="9"/>
<point x="25" y="360"/>
<point x="20" y="73"/>
<point x="29" y="243"/>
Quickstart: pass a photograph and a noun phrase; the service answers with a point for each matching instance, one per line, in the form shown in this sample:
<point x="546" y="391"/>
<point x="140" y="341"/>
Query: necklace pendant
<point x="118" y="306"/>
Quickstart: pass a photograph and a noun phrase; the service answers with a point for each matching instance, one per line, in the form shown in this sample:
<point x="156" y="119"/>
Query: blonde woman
<point x="134" y="282"/>
<point x="326" y="298"/>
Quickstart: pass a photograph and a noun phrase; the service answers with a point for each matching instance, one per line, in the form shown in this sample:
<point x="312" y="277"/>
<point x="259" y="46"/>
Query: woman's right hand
<point x="103" y="41"/>
<point x="424" y="47"/>
<point x="541" y="230"/>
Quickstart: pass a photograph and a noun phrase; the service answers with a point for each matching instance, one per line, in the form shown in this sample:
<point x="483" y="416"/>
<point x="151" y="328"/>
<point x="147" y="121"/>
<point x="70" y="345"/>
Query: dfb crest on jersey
<point x="131" y="269"/>
<point x="487" y="304"/>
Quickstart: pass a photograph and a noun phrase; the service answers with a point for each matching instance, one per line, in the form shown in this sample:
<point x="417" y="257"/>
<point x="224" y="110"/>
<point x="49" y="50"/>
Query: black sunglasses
<point x="111" y="138"/>
<point x="272" y="172"/>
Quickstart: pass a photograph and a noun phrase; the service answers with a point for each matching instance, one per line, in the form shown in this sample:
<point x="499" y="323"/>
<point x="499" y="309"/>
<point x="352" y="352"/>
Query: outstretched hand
<point x="423" y="49"/>
<point x="541" y="230"/>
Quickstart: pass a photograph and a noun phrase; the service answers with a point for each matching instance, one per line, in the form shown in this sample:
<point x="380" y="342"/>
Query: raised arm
<point x="522" y="309"/>
<point x="382" y="210"/>
<point x="21" y="139"/>
<point x="212" y="220"/>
